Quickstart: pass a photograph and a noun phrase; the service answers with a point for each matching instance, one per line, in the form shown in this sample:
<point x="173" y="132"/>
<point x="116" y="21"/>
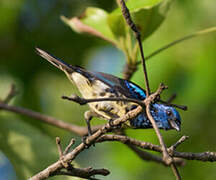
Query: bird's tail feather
<point x="55" y="61"/>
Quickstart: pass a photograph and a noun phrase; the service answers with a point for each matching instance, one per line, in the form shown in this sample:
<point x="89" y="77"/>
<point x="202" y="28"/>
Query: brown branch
<point x="203" y="156"/>
<point x="79" y="130"/>
<point x="148" y="101"/>
<point x="83" y="101"/>
<point x="180" y="141"/>
<point x="133" y="144"/>
<point x="166" y="156"/>
<point x="84" y="172"/>
<point x="59" y="147"/>
<point x="175" y="171"/>
<point x="72" y="141"/>
<point x="128" y="140"/>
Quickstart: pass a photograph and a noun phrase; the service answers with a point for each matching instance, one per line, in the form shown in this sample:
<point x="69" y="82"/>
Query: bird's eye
<point x="169" y="113"/>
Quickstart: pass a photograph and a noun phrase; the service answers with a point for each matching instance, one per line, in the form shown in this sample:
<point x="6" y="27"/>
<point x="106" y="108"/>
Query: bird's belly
<point x="98" y="89"/>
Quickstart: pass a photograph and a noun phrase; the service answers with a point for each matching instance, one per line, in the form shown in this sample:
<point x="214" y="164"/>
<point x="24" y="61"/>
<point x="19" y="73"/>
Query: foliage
<point x="187" y="69"/>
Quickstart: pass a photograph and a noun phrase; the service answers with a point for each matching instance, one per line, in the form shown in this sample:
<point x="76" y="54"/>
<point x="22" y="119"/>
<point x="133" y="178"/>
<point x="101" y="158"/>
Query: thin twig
<point x="83" y="101"/>
<point x="202" y="32"/>
<point x="128" y="140"/>
<point x="180" y="141"/>
<point x="148" y="101"/>
<point x="59" y="147"/>
<point x="166" y="156"/>
<point x="72" y="141"/>
<point x="175" y="171"/>
<point x="126" y="15"/>
<point x="12" y="92"/>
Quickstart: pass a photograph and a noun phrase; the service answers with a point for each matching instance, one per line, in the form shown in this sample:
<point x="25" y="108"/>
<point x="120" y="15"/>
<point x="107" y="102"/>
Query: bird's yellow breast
<point x="98" y="89"/>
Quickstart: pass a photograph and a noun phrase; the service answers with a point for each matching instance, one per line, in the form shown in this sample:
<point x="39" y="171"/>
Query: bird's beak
<point x="174" y="125"/>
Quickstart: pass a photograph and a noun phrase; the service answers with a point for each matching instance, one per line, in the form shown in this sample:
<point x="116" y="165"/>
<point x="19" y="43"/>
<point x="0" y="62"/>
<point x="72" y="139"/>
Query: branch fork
<point x="72" y="171"/>
<point x="66" y="164"/>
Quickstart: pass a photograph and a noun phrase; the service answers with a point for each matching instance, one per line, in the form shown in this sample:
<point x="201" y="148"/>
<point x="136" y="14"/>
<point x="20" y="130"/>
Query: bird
<point x="101" y="85"/>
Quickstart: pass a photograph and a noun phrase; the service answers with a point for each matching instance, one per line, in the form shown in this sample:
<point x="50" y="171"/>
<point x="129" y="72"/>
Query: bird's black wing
<point x="127" y="88"/>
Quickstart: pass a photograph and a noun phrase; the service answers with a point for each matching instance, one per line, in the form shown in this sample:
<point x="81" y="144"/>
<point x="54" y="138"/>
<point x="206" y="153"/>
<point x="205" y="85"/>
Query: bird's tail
<point x="55" y="61"/>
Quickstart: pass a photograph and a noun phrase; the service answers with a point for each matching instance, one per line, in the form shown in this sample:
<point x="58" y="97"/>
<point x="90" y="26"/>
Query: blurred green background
<point x="188" y="69"/>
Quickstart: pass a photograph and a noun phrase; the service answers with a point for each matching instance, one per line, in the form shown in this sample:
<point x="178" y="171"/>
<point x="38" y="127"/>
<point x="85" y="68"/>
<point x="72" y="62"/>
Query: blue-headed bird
<point x="102" y="85"/>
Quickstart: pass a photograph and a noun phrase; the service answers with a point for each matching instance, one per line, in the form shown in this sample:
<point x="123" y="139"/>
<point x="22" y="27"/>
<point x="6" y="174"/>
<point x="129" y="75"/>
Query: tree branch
<point x="79" y="130"/>
<point x="83" y="101"/>
<point x="203" y="156"/>
<point x="86" y="173"/>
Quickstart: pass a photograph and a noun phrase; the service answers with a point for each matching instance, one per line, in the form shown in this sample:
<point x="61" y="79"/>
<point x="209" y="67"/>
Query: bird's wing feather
<point x="54" y="60"/>
<point x="125" y="87"/>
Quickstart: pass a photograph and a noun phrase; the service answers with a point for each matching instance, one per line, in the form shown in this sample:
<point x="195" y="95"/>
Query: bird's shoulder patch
<point x="135" y="90"/>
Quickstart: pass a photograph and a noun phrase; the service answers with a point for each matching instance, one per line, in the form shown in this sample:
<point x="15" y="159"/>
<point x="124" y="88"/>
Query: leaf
<point x="93" y="21"/>
<point x="146" y="14"/>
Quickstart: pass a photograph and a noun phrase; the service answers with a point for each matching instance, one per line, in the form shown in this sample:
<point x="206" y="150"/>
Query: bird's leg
<point x="88" y="115"/>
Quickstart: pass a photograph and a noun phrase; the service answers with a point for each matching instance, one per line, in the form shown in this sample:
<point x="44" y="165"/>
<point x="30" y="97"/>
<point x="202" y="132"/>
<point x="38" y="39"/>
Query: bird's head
<point x="166" y="117"/>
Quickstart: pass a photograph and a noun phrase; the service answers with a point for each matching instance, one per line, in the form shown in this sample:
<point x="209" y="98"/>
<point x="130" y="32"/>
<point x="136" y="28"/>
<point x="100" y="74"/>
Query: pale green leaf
<point x="93" y="21"/>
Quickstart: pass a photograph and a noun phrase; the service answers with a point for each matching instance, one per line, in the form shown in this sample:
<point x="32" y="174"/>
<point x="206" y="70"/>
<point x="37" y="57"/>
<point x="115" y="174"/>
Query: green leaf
<point x="93" y="21"/>
<point x="146" y="14"/>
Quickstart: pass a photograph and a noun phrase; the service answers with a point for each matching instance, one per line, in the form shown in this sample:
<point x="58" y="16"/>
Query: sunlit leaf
<point x="93" y="21"/>
<point x="146" y="14"/>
